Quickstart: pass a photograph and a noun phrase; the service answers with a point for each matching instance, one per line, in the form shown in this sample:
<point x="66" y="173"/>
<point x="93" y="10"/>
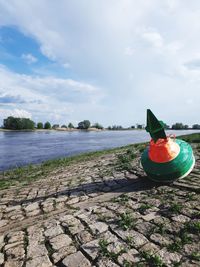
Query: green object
<point x="154" y="126"/>
<point x="179" y="167"/>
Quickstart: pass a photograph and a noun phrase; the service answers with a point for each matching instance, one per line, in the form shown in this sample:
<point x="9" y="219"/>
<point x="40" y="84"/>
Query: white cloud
<point x="174" y="47"/>
<point x="158" y="38"/>
<point x="45" y="97"/>
<point x="153" y="37"/>
<point x="29" y="58"/>
<point x="18" y="113"/>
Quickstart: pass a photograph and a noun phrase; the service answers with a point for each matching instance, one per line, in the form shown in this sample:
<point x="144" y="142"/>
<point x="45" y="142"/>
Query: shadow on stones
<point x="109" y="186"/>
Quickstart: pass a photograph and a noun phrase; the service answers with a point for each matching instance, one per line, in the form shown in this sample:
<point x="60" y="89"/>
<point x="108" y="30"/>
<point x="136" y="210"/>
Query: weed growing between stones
<point x="176" y="246"/>
<point x="130" y="241"/>
<point x="176" y="264"/>
<point x="140" y="147"/>
<point x="193" y="227"/>
<point x="184" y="239"/>
<point x="124" y="160"/>
<point x="122" y="199"/>
<point x="152" y="260"/>
<point x="127" y="263"/>
<point x="160" y="229"/>
<point x="144" y="207"/>
<point x="191" y="196"/>
<point x="175" y="208"/>
<point x="103" y="244"/>
<point x="126" y="221"/>
<point x="195" y="256"/>
<point x="196" y="215"/>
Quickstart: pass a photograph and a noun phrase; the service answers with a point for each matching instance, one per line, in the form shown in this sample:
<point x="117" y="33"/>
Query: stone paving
<point x="96" y="214"/>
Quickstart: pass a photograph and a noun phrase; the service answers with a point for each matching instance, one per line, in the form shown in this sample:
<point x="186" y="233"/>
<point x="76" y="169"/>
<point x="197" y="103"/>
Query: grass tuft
<point x="195" y="256"/>
<point x="152" y="260"/>
<point x="144" y="207"/>
<point x="192" y="227"/>
<point x="126" y="221"/>
<point x="175" y="208"/>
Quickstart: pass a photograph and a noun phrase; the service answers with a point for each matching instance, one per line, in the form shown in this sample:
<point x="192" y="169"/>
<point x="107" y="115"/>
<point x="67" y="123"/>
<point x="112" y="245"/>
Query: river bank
<point x="101" y="210"/>
<point x="49" y="130"/>
<point x="41" y="146"/>
<point x="25" y="174"/>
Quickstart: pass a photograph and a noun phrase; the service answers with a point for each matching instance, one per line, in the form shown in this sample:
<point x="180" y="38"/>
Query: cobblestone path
<point x="95" y="214"/>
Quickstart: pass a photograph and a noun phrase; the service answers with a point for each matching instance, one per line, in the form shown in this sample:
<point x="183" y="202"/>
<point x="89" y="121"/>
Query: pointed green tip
<point x="154" y="126"/>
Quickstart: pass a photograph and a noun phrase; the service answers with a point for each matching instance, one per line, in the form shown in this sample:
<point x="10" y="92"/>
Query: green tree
<point x="139" y="126"/>
<point x="84" y="124"/>
<point x="40" y="125"/>
<point x="70" y="125"/>
<point x="97" y="126"/>
<point x="13" y="123"/>
<point x="63" y="126"/>
<point x="196" y="126"/>
<point x="178" y="126"/>
<point x="55" y="126"/>
<point x="47" y="125"/>
<point x="117" y="127"/>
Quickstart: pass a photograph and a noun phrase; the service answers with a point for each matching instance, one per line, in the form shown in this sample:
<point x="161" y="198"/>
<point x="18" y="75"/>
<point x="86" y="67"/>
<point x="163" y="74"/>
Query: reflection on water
<point x="21" y="148"/>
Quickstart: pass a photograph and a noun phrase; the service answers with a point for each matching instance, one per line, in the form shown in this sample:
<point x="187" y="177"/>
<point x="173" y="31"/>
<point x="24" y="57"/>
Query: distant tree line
<point x="196" y="126"/>
<point x="18" y="123"/>
<point x="179" y="126"/>
<point x="13" y="123"/>
<point x="119" y="127"/>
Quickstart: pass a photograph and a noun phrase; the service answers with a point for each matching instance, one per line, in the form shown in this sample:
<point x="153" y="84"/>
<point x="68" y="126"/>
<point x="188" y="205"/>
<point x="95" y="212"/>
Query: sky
<point x="102" y="60"/>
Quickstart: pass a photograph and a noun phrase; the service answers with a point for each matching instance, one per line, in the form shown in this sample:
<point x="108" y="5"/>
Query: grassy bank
<point x="191" y="138"/>
<point x="25" y="175"/>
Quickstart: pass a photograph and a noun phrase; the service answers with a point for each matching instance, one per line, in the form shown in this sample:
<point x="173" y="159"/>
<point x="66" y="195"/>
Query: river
<point x="22" y="148"/>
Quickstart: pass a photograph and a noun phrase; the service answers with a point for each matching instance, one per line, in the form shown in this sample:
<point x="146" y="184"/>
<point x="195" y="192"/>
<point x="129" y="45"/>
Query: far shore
<point x="50" y="130"/>
<point x="64" y="130"/>
<point x="83" y="130"/>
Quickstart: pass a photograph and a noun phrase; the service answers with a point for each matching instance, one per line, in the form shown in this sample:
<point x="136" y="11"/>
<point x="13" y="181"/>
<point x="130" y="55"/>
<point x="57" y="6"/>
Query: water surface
<point x="22" y="148"/>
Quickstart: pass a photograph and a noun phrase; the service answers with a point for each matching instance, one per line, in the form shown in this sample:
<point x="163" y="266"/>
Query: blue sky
<point x="106" y="61"/>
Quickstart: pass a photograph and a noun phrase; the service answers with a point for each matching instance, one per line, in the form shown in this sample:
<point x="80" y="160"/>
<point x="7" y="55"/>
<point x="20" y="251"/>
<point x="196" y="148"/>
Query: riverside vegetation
<point x="101" y="210"/>
<point x="12" y="123"/>
<point x="22" y="175"/>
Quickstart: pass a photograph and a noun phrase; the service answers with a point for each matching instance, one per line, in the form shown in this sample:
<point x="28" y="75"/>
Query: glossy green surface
<point x="171" y="170"/>
<point x="154" y="126"/>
